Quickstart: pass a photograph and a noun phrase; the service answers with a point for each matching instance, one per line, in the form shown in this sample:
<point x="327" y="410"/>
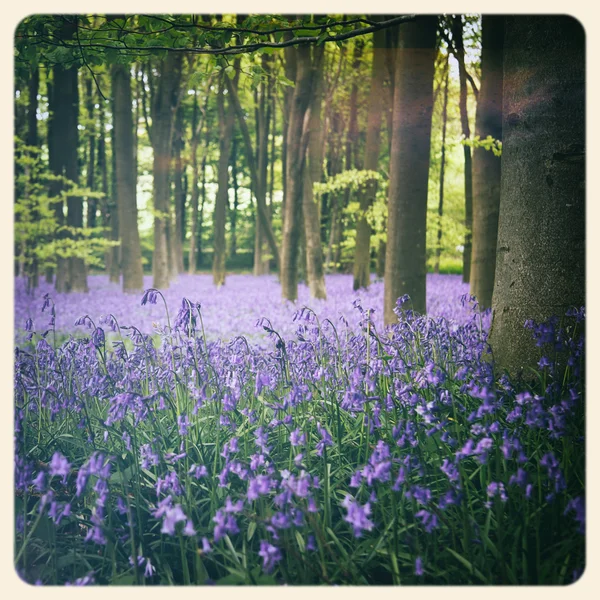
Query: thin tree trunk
<point x="486" y="166"/>
<point x="226" y="122"/>
<point x="163" y="107"/>
<point x="234" y="185"/>
<point x="405" y="261"/>
<point x="296" y="149"/>
<point x="438" y="249"/>
<point x="91" y="162"/>
<point x="179" y="230"/>
<point x="131" y="254"/>
<point x="32" y="140"/>
<point x="362" y="256"/>
<point x="114" y="271"/>
<point x="313" y="173"/>
<point x="457" y="36"/>
<point x="540" y="266"/>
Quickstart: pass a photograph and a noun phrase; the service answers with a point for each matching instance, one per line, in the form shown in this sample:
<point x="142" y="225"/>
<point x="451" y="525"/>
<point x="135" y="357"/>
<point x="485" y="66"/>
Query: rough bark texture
<point x="459" y="50"/>
<point x="540" y="267"/>
<point x="313" y="174"/>
<point x="487" y="166"/>
<point x="296" y="149"/>
<point x="362" y="256"/>
<point x="405" y="261"/>
<point x="131" y="254"/>
<point x="164" y="103"/>
<point x="226" y="122"/>
<point x="438" y="249"/>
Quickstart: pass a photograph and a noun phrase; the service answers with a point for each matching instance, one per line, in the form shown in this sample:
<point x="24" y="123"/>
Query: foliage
<point x="39" y="237"/>
<point x="340" y="456"/>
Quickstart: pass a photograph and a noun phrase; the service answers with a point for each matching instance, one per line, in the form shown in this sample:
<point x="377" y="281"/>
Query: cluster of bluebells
<point x="281" y="451"/>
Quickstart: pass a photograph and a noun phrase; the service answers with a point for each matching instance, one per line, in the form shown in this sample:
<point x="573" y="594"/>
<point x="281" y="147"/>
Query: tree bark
<point x="405" y="261"/>
<point x="32" y="140"/>
<point x="131" y="254"/>
<point x="179" y="193"/>
<point x="438" y="248"/>
<point x="540" y="266"/>
<point x="459" y="51"/>
<point x="226" y="122"/>
<point x="234" y="185"/>
<point x="63" y="145"/>
<point x="486" y="166"/>
<point x="362" y="255"/>
<point x="114" y="266"/>
<point x="313" y="173"/>
<point x="296" y="149"/>
<point x="91" y="163"/>
<point x="164" y="104"/>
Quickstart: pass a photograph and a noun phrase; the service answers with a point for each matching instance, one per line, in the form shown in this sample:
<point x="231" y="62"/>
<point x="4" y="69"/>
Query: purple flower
<point x="270" y="555"/>
<point x="357" y="515"/>
<point x="59" y="465"/>
<point x="419" y="567"/>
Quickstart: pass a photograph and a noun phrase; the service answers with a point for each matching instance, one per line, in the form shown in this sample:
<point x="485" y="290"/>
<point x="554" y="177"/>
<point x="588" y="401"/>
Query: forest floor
<point x="229" y="311"/>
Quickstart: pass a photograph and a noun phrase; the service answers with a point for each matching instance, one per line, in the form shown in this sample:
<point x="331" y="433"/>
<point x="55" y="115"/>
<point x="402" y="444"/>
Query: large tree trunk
<point x="457" y="38"/>
<point x="405" y="261"/>
<point x="487" y="166"/>
<point x="234" y="208"/>
<point x="131" y="254"/>
<point x="179" y="193"/>
<point x="164" y="103"/>
<point x="438" y="248"/>
<point x="226" y="122"/>
<point x="296" y="149"/>
<point x="313" y="173"/>
<point x="362" y="255"/>
<point x="540" y="266"/>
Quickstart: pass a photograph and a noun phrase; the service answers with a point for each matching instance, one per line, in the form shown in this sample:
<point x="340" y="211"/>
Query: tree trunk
<point x="263" y="123"/>
<point x="438" y="248"/>
<point x="179" y="230"/>
<point x="459" y="50"/>
<point x="296" y="148"/>
<point x="201" y="214"/>
<point x="540" y="266"/>
<point x="487" y="166"/>
<point x="163" y="107"/>
<point x="131" y="254"/>
<point x="362" y="255"/>
<point x="405" y="260"/>
<point x="91" y="163"/>
<point x="226" y="122"/>
<point x="234" y="185"/>
<point x="114" y="266"/>
<point x="62" y="145"/>
<point x="312" y="174"/>
<point x="32" y="140"/>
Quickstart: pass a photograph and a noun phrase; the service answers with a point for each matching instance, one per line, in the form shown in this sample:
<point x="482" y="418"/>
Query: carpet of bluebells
<point x="332" y="452"/>
<point x="230" y="310"/>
